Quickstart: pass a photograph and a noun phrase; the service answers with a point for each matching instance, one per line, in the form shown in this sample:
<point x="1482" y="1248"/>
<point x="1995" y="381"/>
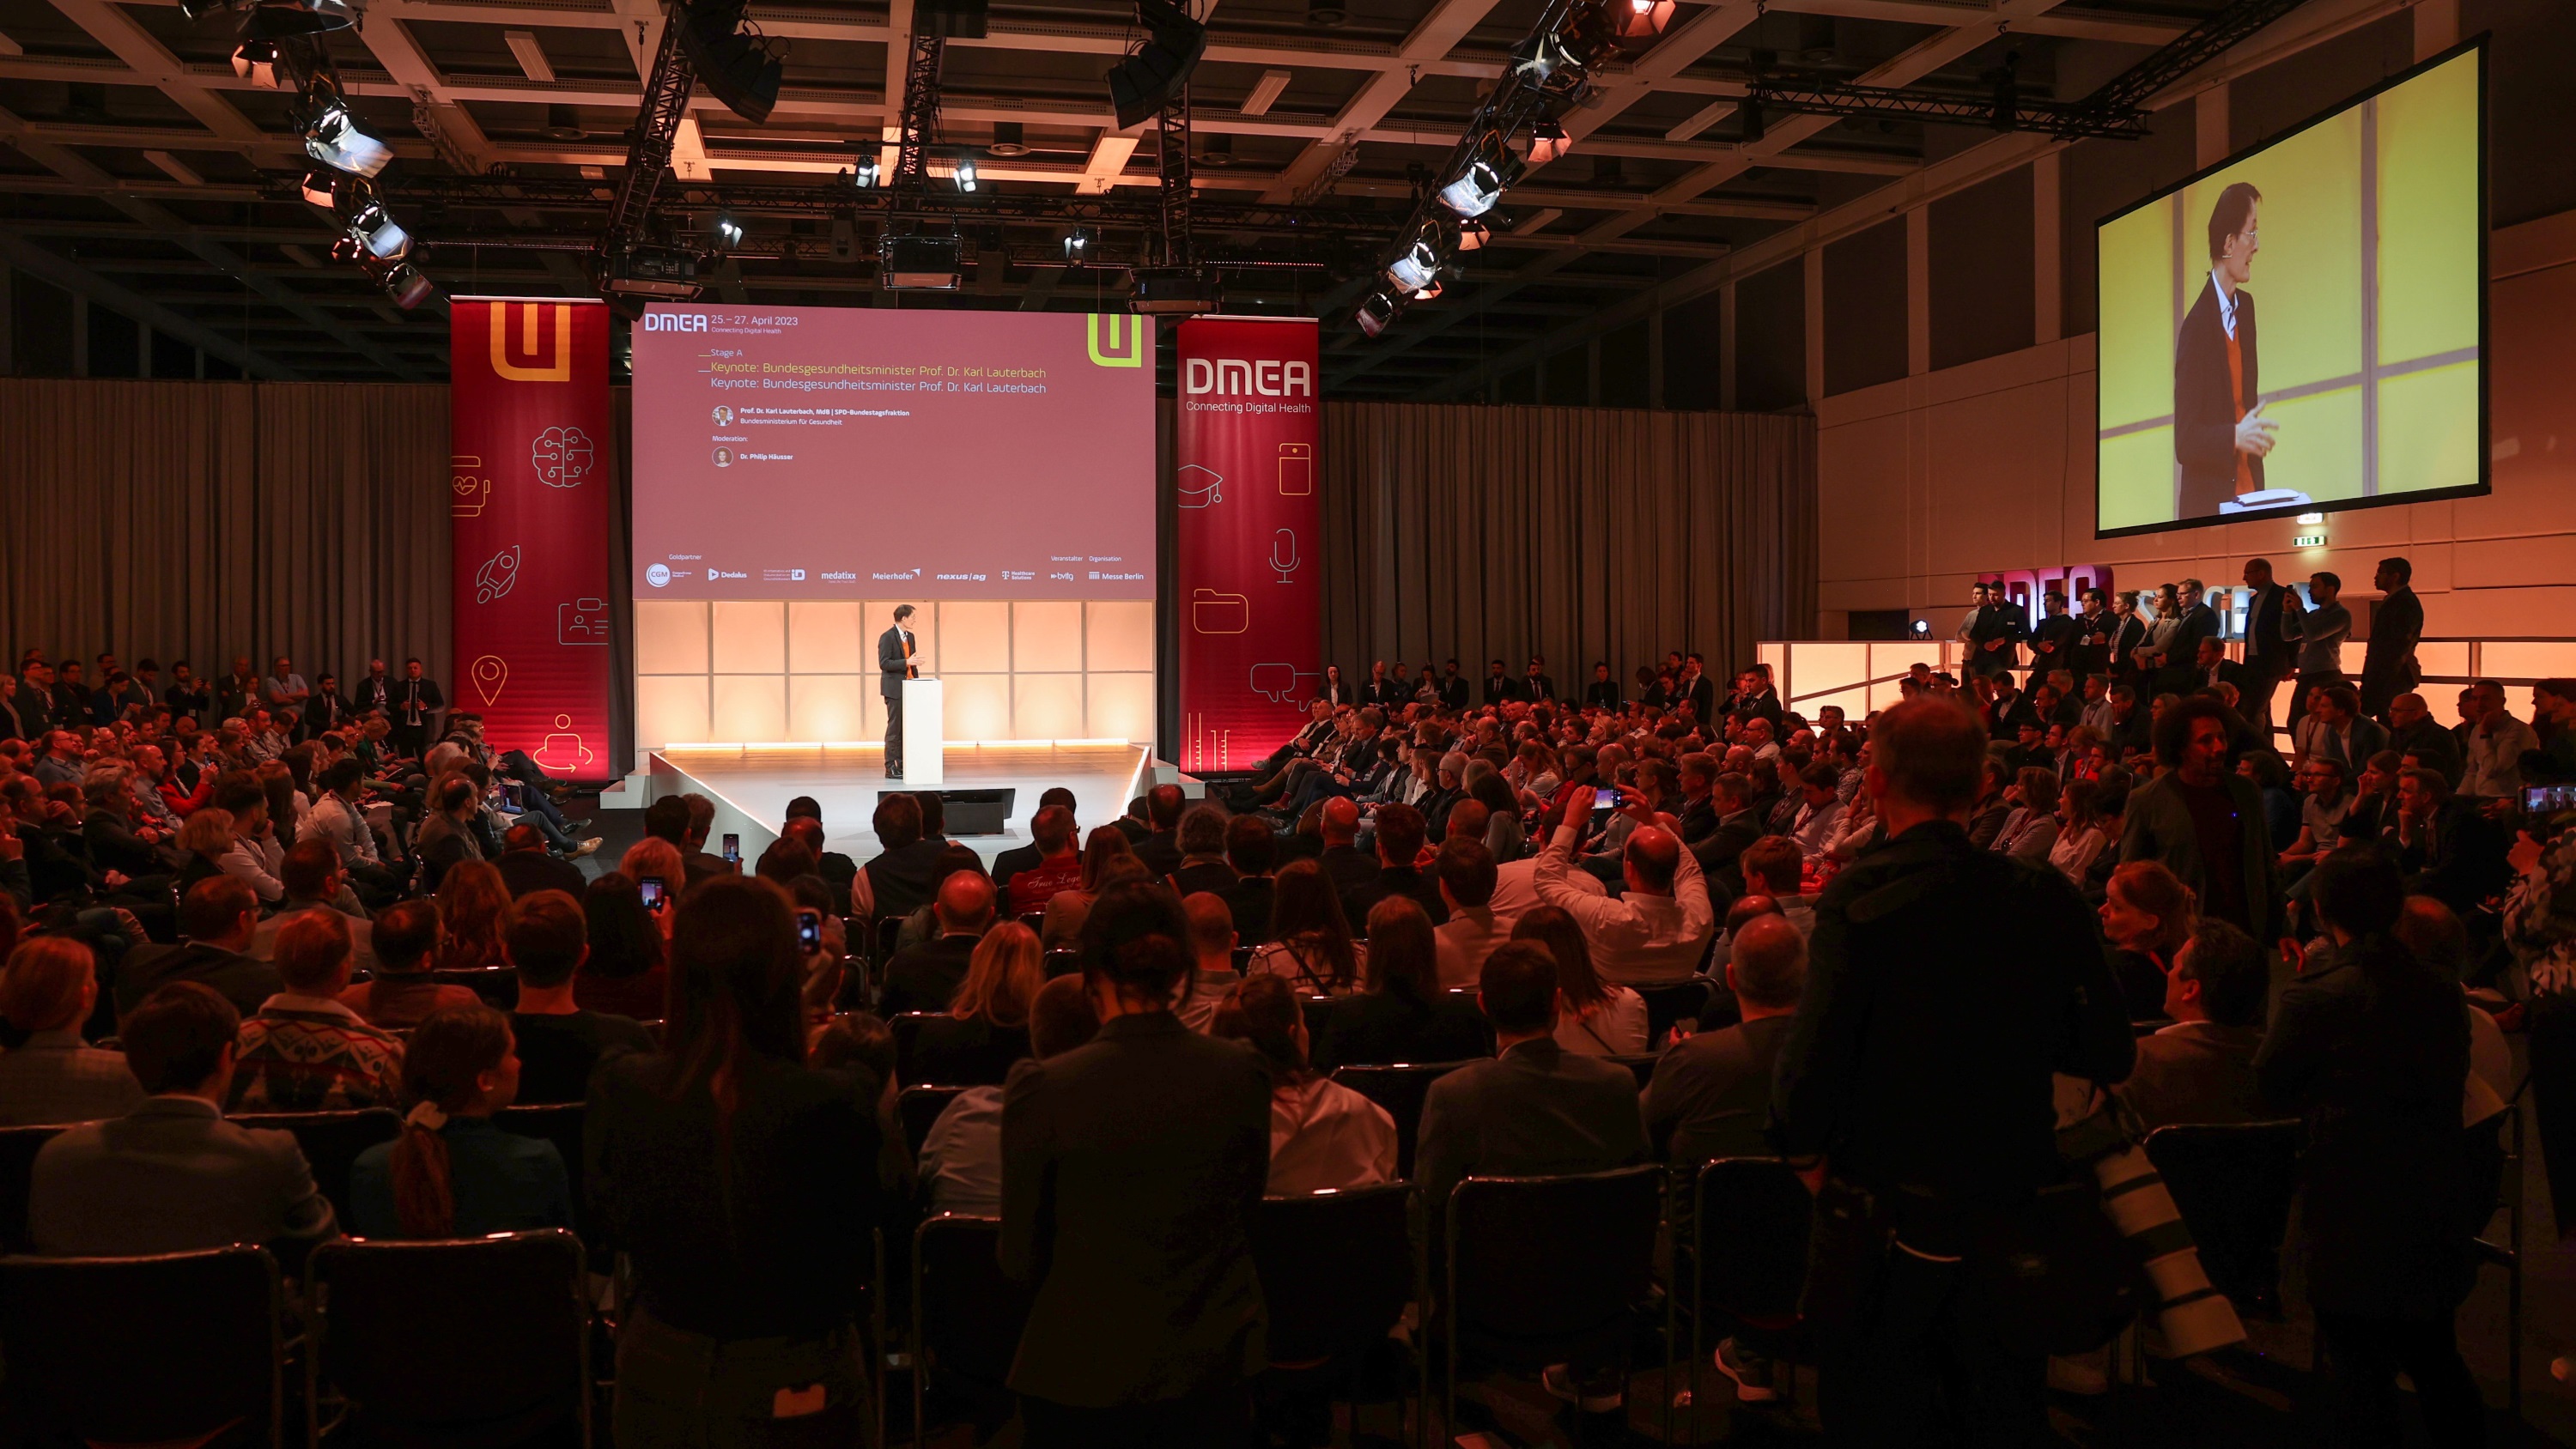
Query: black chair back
<point x="2233" y="1185"/>
<point x="966" y="1316"/>
<point x="1063" y="961"/>
<point x="560" y="1124"/>
<point x="497" y="985"/>
<point x="331" y="1143"/>
<point x="1319" y="1011"/>
<point x="1336" y="1268"/>
<point x="173" y="1348"/>
<point x="1400" y="1089"/>
<point x="1642" y="1067"/>
<point x="479" y="1341"/>
<point x="1750" y="1219"/>
<point x="1538" y="1268"/>
<point x="905" y="1027"/>
<point x="919" y="1109"/>
<point x="888" y="928"/>
<point x="1034" y="920"/>
<point x="18" y="1149"/>
<point x="1671" y="1002"/>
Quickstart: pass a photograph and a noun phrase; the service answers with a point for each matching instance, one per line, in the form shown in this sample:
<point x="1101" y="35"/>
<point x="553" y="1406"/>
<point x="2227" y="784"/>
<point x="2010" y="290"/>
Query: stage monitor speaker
<point x="968" y="812"/>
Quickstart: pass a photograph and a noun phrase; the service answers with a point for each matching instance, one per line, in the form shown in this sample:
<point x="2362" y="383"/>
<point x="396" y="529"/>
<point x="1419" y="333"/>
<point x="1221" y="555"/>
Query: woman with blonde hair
<point x="2147" y="915"/>
<point x="986" y="1026"/>
<point x="474" y="904"/>
<point x="48" y="989"/>
<point x="1593" y="1017"/>
<point x="205" y="835"/>
<point x="449" y="1173"/>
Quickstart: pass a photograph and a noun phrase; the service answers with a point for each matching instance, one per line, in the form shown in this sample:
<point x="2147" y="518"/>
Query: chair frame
<point x="2508" y="1254"/>
<point x="1416" y="1253"/>
<point x="278" y="1341"/>
<point x="319" y="1326"/>
<point x="920" y="1357"/>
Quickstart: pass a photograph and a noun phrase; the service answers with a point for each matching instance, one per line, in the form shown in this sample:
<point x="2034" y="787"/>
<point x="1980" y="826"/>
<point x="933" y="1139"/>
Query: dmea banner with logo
<point x="530" y="436"/>
<point x="1247" y="586"/>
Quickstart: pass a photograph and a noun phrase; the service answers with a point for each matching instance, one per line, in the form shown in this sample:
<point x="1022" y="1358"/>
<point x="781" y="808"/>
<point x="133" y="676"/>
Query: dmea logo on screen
<point x="675" y="321"/>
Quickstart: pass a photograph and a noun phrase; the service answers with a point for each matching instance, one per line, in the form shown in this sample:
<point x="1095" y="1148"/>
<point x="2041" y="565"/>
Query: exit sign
<point x="2308" y="540"/>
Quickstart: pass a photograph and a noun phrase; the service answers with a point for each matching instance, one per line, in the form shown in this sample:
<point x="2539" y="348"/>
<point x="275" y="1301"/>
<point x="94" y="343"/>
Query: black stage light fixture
<point x="332" y="137"/>
<point x="1377" y="312"/>
<point x="1748" y="111"/>
<point x="321" y="187"/>
<point x="408" y="287"/>
<point x="653" y="273"/>
<point x="1172" y="292"/>
<point x="1145" y="82"/>
<point x="919" y="263"/>
<point x="867" y="171"/>
<point x="2006" y="80"/>
<point x="738" y="69"/>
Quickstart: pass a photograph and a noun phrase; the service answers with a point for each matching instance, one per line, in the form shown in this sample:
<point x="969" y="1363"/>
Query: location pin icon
<point x="490" y="673"/>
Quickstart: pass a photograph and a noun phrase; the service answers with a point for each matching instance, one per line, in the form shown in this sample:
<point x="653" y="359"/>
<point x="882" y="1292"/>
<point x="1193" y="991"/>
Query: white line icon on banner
<point x="1200" y="485"/>
<point x="584" y="621"/>
<point x="498" y="576"/>
<point x="1283" y="554"/>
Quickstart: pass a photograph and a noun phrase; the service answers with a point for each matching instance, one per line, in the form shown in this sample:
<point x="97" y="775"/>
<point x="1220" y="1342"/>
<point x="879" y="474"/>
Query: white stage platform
<point x="752" y="784"/>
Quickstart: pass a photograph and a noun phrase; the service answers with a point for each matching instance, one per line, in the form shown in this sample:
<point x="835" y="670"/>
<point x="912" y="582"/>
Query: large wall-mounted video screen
<point x="2303" y="327"/>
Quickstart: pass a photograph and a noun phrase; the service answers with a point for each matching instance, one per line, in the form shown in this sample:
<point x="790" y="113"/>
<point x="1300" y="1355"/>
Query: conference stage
<point x="751" y="785"/>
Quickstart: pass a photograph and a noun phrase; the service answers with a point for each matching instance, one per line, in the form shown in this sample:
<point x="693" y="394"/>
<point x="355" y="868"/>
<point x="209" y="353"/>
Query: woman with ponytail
<point x="450" y="1173"/>
<point x="742" y="1184"/>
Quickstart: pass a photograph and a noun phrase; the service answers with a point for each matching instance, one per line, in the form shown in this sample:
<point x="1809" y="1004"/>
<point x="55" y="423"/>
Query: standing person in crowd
<point x="416" y="703"/>
<point x="2388" y="667"/>
<point x="1324" y="1137"/>
<point x="2371" y="1047"/>
<point x="46" y="992"/>
<point x="2268" y="656"/>
<point x="1593" y="1017"/>
<point x="450" y="1173"/>
<point x="2316" y="631"/>
<point x="744" y="1316"/>
<point x="2204" y="822"/>
<point x="1945" y="985"/>
<point x="1131" y="1171"/>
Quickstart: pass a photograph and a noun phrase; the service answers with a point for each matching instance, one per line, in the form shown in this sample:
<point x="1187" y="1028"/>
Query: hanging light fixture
<point x="1547" y="141"/>
<point x="1641" y="20"/>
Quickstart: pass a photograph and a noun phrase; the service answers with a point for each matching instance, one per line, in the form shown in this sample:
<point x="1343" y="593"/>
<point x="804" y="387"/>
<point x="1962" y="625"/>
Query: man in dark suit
<point x="1536" y="685"/>
<point x="1738" y="825"/>
<point x="1995" y="625"/>
<point x="2201" y="1068"/>
<point x="1694" y="688"/>
<point x="1453" y="687"/>
<point x="1944" y="985"/>
<point x="1132" y="1168"/>
<point x="2220" y="434"/>
<point x="926" y="977"/>
<point x="1400" y="835"/>
<point x="217" y="920"/>
<point x="2412" y="730"/>
<point x="2054" y="638"/>
<point x="173" y="1175"/>
<point x="2448" y="848"/>
<point x="894" y="666"/>
<point x="1534" y="1110"/>
<point x="2388" y="666"/>
<point x="1160" y="850"/>
<point x="2210" y="665"/>
<point x="414" y="715"/>
<point x="2269" y="659"/>
<point x="1342" y="859"/>
<point x="1500" y="687"/>
<point x="375" y="692"/>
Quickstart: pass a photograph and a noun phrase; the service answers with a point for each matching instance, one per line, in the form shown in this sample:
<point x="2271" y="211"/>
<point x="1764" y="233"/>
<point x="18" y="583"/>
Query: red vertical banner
<point x="531" y="466"/>
<point x="1249" y="587"/>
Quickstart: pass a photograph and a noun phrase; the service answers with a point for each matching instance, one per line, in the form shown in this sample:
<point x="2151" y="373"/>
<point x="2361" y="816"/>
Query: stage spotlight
<point x="1472" y="235"/>
<point x="1145" y="82"/>
<point x="321" y="188"/>
<point x="1414" y="267"/>
<point x="728" y="232"/>
<point x="736" y="68"/>
<point x="965" y="173"/>
<point x="256" y="61"/>
<point x="408" y="287"/>
<point x="864" y="175"/>
<point x="1376" y="312"/>
<point x="332" y="137"/>
<point x="280" y="18"/>
<point x="376" y="230"/>
<point x="1077" y="243"/>
<point x="1489" y="172"/>
<point x="1643" y="19"/>
<point x="1547" y="141"/>
<point x="1429" y="292"/>
<point x="1217" y="150"/>
<point x="1922" y="628"/>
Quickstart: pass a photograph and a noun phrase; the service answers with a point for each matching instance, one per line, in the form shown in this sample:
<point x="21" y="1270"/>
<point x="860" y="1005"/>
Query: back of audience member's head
<point x="1518" y="987"/>
<point x="475" y="904"/>
<point x="784" y="860"/>
<point x="804" y="807"/>
<point x="1263" y="1010"/>
<point x="1767" y="962"/>
<point x="2235" y="973"/>
<point x="2436" y="934"/>
<point x="898" y="821"/>
<point x="667" y="819"/>
<point x="1051" y="829"/>
<point x="807" y="831"/>
<point x="309" y="868"/>
<point x="2358" y="891"/>
<point x="1746" y="907"/>
<point x="1306" y="908"/>
<point x="46" y="984"/>
<point x="1467" y="872"/>
<point x="207" y="834"/>
<point x="653" y="858"/>
<point x="1104" y="844"/>
<point x="1211" y="926"/>
<point x="547" y="937"/>
<point x="451" y="1065"/>
<point x="1467" y="820"/>
<point x="214" y="907"/>
<point x="451" y="794"/>
<point x="965" y="903"/>
<point x="312" y="953"/>
<point x="1931" y="753"/>
<point x="1251" y="846"/>
<point x="1202" y="831"/>
<point x="1164" y="803"/>
<point x="1002" y="977"/>
<point x="702" y="817"/>
<point x="1061" y="1018"/>
<point x="176" y="1039"/>
<point x="624" y="940"/>
<point x="860" y="1039"/>
<point x="1772" y="864"/>
<point x="1653" y="858"/>
<point x="523" y="837"/>
<point x="1136" y="942"/>
<point x="1404" y="953"/>
<point x="736" y="974"/>
<point x="407" y="936"/>
<point x="1555" y="928"/>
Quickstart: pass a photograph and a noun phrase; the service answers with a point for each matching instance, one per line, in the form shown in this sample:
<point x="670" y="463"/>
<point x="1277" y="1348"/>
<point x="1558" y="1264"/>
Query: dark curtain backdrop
<point x="203" y="520"/>
<point x="1580" y="534"/>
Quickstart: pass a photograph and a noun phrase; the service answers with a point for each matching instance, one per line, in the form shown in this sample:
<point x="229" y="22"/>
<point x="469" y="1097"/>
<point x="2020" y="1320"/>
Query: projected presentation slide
<point x="864" y="453"/>
<point x="2303" y="328"/>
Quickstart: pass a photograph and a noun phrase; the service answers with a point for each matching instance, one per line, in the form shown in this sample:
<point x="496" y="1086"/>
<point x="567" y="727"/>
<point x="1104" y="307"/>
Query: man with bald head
<point x="1656" y="931"/>
<point x="926" y="977"/>
<point x="1343" y="860"/>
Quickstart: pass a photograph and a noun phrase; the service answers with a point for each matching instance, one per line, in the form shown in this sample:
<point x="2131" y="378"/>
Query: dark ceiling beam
<point x="36" y="260"/>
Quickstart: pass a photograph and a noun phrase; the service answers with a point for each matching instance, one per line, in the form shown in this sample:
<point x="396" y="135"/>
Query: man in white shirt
<point x="2495" y="745"/>
<point x="1465" y="871"/>
<point x="961" y="1159"/>
<point x="340" y="817"/>
<point x="1212" y="942"/>
<point x="1657" y="931"/>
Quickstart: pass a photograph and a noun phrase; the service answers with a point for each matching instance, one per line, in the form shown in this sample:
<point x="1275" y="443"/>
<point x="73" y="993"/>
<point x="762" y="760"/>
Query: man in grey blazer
<point x="894" y="666"/>
<point x="172" y="1175"/>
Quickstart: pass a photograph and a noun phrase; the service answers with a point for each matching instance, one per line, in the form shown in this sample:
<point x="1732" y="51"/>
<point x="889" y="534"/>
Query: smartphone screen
<point x="652" y="887"/>
<point x="732" y="848"/>
<point x="809" y="931"/>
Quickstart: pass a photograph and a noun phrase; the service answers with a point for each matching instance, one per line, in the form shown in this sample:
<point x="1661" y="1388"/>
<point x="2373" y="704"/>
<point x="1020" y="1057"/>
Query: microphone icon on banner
<point x="1283" y="554"/>
<point x="489" y="673"/>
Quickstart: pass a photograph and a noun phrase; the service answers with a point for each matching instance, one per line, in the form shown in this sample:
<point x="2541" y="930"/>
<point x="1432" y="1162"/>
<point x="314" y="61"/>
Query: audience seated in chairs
<point x="172" y="1175"/>
<point x="961" y="1159"/>
<point x="1465" y="872"/>
<point x="1400" y="835"/>
<point x="1202" y="844"/>
<point x="1314" y="949"/>
<point x="1047" y="865"/>
<point x="451" y="1173"/>
<point x="1065" y="909"/>
<point x="475" y="907"/>
<point x="1655" y="930"/>
<point x="1323" y="1137"/>
<point x="217" y="918"/>
<point x="926" y="977"/>
<point x="559" y="1042"/>
<point x="408" y="937"/>
<point x="1593" y="1017"/>
<point x="304" y="1051"/>
<point x="2201" y="1068"/>
<point x="1533" y="1109"/>
<point x="975" y="1037"/>
<point x="313" y="881"/>
<point x="624" y="974"/>
<point x="1212" y="945"/>
<point x="736" y="1312"/>
<point x="1251" y="849"/>
<point x="1401" y="1014"/>
<point x="47" y="991"/>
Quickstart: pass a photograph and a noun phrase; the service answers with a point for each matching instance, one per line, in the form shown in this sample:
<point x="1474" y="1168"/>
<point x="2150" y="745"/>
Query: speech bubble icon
<point x="1274" y="682"/>
<point x="490" y="672"/>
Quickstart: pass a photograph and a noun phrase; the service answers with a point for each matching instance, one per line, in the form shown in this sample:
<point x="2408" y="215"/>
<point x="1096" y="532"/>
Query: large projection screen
<point x="2302" y="328"/>
<point x="801" y="471"/>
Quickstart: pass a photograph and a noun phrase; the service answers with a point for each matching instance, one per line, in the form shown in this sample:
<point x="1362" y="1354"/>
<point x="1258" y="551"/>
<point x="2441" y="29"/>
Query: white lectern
<point x="925" y="733"/>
